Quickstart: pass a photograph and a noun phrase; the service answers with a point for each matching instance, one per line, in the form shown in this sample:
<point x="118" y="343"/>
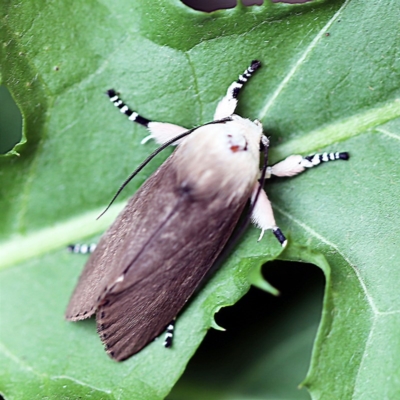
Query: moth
<point x="159" y="249"/>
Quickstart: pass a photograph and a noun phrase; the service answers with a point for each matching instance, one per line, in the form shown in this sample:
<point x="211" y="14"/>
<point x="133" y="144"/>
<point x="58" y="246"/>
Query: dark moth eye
<point x="262" y="145"/>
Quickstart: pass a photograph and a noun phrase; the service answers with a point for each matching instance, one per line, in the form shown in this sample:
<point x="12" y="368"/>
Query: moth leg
<point x="296" y="164"/>
<point x="263" y="216"/>
<point x="82" y="248"/>
<point x="169" y="334"/>
<point x="161" y="132"/>
<point x="226" y="107"/>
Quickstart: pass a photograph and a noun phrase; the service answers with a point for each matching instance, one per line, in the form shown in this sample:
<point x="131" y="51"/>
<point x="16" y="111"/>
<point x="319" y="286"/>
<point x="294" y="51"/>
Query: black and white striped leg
<point x="169" y="334"/>
<point x="316" y="159"/>
<point x="227" y="105"/>
<point x="235" y="88"/>
<point x="280" y="236"/>
<point x="263" y="216"/>
<point x="82" y="248"/>
<point x="296" y="164"/>
<point x="161" y="132"/>
<point x="132" y="115"/>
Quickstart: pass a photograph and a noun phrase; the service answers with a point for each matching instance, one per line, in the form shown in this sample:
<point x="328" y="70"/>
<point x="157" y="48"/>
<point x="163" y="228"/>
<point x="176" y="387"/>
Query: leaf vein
<point x="364" y="355"/>
<point x="18" y="361"/>
<point x="339" y="131"/>
<point x="57" y="236"/>
<point x="196" y="87"/>
<point x="389" y="134"/>
<point x="299" y="63"/>
<point x="332" y="245"/>
<point x="80" y="383"/>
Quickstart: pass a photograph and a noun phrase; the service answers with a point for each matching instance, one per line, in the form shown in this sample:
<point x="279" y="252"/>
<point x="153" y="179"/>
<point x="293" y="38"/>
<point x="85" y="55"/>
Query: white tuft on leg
<point x="263" y="215"/>
<point x="227" y="105"/>
<point x="161" y="132"/>
<point x="290" y="166"/>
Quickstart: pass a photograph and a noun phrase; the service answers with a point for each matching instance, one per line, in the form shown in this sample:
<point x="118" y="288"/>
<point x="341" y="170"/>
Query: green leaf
<point x="330" y="80"/>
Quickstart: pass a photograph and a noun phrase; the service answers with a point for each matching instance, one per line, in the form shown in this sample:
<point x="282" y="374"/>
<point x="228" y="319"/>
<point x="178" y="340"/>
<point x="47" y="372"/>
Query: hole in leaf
<point x="10" y="121"/>
<point x="267" y="336"/>
<point x="209" y="6"/>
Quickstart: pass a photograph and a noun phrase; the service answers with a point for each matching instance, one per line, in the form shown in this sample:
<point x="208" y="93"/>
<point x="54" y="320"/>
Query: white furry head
<point x="222" y="157"/>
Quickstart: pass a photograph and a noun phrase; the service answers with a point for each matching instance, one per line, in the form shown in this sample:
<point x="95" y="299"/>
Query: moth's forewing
<point x="122" y="242"/>
<point x="169" y="270"/>
<point x="156" y="253"/>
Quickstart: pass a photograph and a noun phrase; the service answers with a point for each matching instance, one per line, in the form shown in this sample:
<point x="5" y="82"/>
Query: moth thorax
<point x="220" y="158"/>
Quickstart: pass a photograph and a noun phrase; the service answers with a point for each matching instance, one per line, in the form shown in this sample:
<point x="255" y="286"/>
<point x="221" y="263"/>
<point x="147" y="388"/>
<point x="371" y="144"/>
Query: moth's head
<point x="252" y="131"/>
